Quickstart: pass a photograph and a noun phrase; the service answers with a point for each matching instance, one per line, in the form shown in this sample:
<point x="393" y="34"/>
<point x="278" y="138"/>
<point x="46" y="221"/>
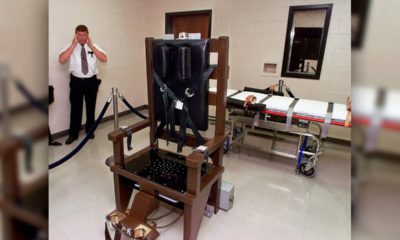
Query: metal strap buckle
<point x="189" y="93"/>
<point x="163" y="88"/>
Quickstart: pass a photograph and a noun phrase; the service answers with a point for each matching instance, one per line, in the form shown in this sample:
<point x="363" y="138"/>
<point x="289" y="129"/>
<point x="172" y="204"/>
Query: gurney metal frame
<point x="250" y="124"/>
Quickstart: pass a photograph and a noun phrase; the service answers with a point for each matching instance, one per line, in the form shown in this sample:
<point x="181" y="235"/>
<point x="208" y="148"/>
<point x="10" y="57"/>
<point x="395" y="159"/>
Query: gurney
<point x="257" y="110"/>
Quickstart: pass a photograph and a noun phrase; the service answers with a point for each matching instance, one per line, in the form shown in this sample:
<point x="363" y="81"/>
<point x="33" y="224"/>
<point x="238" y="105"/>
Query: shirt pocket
<point x="91" y="58"/>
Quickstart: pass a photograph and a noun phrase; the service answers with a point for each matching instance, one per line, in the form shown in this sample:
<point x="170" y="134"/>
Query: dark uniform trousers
<point x="81" y="88"/>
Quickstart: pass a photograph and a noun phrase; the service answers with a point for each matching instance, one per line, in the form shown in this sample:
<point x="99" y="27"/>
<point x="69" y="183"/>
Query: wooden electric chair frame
<point x="200" y="189"/>
<point x="13" y="191"/>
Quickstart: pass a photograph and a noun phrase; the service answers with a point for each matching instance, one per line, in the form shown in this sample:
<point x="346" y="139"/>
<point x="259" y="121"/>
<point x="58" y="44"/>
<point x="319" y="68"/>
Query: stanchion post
<point x="5" y="114"/>
<point x="280" y="86"/>
<point x="115" y="108"/>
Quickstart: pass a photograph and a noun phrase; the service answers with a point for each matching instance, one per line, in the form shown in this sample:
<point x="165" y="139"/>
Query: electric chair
<point x="178" y="73"/>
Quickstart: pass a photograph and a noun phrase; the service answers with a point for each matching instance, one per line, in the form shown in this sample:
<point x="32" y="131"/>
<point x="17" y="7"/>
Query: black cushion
<point x="179" y="64"/>
<point x="51" y="94"/>
<point x="257" y="90"/>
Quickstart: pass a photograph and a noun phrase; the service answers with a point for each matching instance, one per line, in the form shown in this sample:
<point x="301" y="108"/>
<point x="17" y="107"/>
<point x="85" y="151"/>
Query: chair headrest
<point x="179" y="64"/>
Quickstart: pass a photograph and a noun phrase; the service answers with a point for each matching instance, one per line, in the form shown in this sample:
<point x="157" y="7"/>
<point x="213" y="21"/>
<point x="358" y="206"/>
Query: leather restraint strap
<point x="348" y="115"/>
<point x="27" y="145"/>
<point x="117" y="235"/>
<point x="169" y="110"/>
<point x="187" y="121"/>
<point x="376" y="121"/>
<point x="266" y="98"/>
<point x="233" y="94"/>
<point x="251" y="99"/>
<point x="289" y="114"/>
<point x="263" y="102"/>
<point x="166" y="93"/>
<point x="128" y="133"/>
<point x="327" y="122"/>
<point x="347" y="120"/>
<point x="289" y="92"/>
<point x="193" y="89"/>
<point x="185" y="117"/>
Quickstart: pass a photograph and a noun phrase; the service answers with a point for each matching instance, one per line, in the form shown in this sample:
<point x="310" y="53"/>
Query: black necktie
<point x="85" y="68"/>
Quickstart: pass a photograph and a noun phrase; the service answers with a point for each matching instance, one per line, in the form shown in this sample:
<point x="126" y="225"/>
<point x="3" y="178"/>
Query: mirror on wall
<point x="306" y="36"/>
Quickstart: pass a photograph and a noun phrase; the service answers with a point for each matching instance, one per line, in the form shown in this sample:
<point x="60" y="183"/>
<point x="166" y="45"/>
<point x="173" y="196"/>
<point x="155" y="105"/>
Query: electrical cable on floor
<point x="169" y="224"/>
<point x="156" y="218"/>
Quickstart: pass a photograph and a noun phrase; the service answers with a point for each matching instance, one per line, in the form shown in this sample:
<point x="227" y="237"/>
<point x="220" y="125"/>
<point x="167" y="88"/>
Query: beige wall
<point x="118" y="27"/>
<point x="22" y="47"/>
<point x="256" y="29"/>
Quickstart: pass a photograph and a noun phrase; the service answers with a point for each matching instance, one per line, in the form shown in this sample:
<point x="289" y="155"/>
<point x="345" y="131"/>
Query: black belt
<point x="89" y="78"/>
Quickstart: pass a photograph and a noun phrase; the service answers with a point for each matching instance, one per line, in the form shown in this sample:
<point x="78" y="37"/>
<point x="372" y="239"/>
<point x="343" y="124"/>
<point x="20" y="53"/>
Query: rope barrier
<point x="132" y="108"/>
<point x="85" y="140"/>
<point x="32" y="100"/>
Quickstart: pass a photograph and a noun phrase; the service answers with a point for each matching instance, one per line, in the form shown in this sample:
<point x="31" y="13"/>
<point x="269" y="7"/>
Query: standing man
<point x="82" y="55"/>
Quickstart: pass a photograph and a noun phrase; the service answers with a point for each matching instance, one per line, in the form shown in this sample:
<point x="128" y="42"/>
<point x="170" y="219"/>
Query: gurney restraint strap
<point x="265" y="99"/>
<point x="327" y="122"/>
<point x="236" y="93"/>
<point x="289" y="114"/>
<point x="376" y="122"/>
<point x="347" y="119"/>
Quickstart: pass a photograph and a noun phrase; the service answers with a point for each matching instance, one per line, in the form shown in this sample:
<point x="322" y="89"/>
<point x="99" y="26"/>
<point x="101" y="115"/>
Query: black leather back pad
<point x="179" y="64"/>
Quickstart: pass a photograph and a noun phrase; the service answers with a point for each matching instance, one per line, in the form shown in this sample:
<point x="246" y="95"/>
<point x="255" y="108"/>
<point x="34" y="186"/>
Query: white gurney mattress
<point x="307" y="107"/>
<point x="242" y="96"/>
<point x="311" y="108"/>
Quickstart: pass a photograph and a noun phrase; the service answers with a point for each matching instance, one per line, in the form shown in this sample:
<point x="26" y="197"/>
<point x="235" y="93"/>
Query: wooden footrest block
<point x="132" y="227"/>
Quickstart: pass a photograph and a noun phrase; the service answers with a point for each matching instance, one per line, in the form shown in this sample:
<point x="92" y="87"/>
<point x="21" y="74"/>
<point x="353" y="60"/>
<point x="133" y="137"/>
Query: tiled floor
<point x="271" y="202"/>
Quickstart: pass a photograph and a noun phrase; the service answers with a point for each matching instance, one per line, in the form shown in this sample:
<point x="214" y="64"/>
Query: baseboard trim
<point x="105" y="119"/>
<point x="25" y="107"/>
<point x="339" y="141"/>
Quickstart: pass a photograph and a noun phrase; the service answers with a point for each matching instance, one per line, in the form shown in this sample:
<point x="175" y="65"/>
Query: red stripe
<point x="388" y="124"/>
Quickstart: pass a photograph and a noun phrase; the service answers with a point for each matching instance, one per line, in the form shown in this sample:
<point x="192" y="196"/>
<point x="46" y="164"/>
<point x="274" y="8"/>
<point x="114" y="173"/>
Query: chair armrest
<point x="216" y="142"/>
<point x="119" y="134"/>
<point x="13" y="143"/>
<point x="195" y="159"/>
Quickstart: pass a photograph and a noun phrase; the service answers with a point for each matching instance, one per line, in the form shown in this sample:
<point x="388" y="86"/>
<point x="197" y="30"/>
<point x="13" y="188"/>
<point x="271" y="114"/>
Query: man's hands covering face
<point x="75" y="40"/>
<point x="89" y="42"/>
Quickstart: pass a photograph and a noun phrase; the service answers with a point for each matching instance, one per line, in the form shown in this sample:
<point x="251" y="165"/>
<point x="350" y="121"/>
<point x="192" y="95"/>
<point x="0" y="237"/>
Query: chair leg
<point x="122" y="193"/>
<point x="215" y="195"/>
<point x="193" y="214"/>
<point x="143" y="205"/>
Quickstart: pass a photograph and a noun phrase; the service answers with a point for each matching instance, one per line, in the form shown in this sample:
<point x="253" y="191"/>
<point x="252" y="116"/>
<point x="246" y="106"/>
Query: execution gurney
<point x="255" y="109"/>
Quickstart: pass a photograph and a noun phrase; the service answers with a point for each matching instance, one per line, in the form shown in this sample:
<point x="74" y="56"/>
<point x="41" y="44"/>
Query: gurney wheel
<point x="309" y="173"/>
<point x="311" y="148"/>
